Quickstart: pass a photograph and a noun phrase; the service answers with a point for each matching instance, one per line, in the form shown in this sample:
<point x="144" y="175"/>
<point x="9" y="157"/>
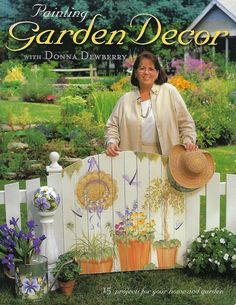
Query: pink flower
<point x="51" y="97"/>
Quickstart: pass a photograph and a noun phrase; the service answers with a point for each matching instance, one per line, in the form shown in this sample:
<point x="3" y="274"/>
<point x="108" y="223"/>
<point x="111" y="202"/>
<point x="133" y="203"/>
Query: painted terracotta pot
<point x="67" y="288"/>
<point x="134" y="254"/>
<point x="166" y="257"/>
<point x="94" y="266"/>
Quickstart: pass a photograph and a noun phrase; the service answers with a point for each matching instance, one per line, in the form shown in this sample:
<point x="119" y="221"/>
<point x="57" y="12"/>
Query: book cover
<point x="64" y="66"/>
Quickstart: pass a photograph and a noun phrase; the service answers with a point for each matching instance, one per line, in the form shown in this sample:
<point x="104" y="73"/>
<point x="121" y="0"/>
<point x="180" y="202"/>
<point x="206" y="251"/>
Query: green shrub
<point x="9" y="89"/>
<point x="109" y="81"/>
<point x="5" y="139"/>
<point x="213" y="251"/>
<point x="37" y="90"/>
<point x="7" y="65"/>
<point x="63" y="147"/>
<point x="82" y="91"/>
<point x="71" y="108"/>
<point x="101" y="104"/>
<point x="39" y="83"/>
<point x="35" y="139"/>
<point x="12" y="162"/>
<point x="213" y="112"/>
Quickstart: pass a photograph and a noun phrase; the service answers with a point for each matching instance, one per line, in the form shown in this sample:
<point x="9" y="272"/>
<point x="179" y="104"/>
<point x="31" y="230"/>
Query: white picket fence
<point x="12" y="197"/>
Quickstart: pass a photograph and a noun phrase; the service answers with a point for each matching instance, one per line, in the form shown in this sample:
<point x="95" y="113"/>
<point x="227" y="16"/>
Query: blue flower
<point x="30" y="286"/>
<point x="31" y="224"/>
<point x="8" y="260"/>
<point x="42" y="237"/>
<point x="14" y="221"/>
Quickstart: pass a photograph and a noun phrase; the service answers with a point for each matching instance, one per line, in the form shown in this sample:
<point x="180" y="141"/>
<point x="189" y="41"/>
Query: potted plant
<point x="133" y="236"/>
<point x="95" y="253"/>
<point x="166" y="252"/>
<point x="19" y="254"/>
<point x="67" y="270"/>
<point x="160" y="194"/>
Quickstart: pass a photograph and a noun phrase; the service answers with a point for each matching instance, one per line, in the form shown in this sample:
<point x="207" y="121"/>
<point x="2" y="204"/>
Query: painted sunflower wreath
<point x="96" y="191"/>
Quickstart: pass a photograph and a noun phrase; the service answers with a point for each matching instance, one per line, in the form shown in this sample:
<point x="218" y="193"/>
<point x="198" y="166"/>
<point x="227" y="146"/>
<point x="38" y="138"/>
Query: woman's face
<point x="146" y="73"/>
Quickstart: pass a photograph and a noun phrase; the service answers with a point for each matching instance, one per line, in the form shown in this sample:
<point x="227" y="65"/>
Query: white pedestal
<point x="49" y="246"/>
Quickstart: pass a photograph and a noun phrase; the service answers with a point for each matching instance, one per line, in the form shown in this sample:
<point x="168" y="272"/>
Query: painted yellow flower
<point x="141" y="221"/>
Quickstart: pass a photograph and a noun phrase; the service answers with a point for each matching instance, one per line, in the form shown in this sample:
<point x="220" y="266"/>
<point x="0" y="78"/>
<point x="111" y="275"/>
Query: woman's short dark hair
<point x="162" y="77"/>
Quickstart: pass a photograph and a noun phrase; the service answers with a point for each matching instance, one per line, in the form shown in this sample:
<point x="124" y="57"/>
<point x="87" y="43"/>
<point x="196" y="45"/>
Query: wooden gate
<point x="123" y="213"/>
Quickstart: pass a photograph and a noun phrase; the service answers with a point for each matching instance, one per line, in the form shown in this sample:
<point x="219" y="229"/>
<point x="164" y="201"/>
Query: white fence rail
<point x="12" y="196"/>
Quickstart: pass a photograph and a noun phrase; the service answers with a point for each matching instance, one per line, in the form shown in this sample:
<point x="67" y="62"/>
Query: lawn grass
<point x="162" y="287"/>
<point x="39" y="113"/>
<point x="225" y="159"/>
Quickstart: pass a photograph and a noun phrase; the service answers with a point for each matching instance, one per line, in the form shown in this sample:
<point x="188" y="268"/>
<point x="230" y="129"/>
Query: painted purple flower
<point x="58" y="199"/>
<point x="44" y="204"/>
<point x="30" y="286"/>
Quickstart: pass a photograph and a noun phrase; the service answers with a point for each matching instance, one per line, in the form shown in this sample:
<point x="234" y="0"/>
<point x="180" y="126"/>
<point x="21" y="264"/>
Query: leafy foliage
<point x="67" y="267"/>
<point x="214" y="115"/>
<point x="102" y="103"/>
<point x="17" y="245"/>
<point x="95" y="247"/>
<point x="215" y="251"/>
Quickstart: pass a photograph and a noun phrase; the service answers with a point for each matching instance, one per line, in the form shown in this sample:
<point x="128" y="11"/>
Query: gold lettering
<point x="144" y="29"/>
<point x="63" y="33"/>
<point x="29" y="39"/>
<point x="87" y="32"/>
<point x="217" y="34"/>
<point x="180" y="40"/>
<point x="198" y="35"/>
<point x="95" y="36"/>
<point x="113" y="34"/>
<point x="48" y="40"/>
<point x="164" y="38"/>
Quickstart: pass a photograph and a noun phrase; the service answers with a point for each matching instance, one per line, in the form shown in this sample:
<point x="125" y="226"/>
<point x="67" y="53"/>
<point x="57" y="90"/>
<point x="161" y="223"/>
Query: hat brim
<point x="184" y="178"/>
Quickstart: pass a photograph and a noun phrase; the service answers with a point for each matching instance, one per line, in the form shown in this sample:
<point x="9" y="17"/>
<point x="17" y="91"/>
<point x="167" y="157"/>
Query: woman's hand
<point x="112" y="150"/>
<point x="191" y="146"/>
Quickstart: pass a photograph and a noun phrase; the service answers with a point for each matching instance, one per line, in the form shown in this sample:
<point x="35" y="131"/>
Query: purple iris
<point x="14" y="221"/>
<point x="31" y="224"/>
<point x="8" y="260"/>
<point x="30" y="286"/>
<point x="42" y="237"/>
<point x="36" y="244"/>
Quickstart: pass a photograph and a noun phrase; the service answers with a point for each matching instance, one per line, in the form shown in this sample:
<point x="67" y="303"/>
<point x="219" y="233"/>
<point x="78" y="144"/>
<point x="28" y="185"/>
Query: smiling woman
<point x="153" y="117"/>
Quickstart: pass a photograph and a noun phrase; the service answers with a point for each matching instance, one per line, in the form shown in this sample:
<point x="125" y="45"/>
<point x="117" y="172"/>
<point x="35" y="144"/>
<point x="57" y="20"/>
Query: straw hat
<point x="188" y="171"/>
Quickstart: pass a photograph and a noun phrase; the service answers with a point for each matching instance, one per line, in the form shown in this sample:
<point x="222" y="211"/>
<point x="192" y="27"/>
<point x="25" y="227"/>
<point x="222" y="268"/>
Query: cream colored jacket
<point x="173" y="122"/>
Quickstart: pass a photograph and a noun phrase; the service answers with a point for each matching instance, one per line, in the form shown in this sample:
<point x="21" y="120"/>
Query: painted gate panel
<point x="132" y="219"/>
